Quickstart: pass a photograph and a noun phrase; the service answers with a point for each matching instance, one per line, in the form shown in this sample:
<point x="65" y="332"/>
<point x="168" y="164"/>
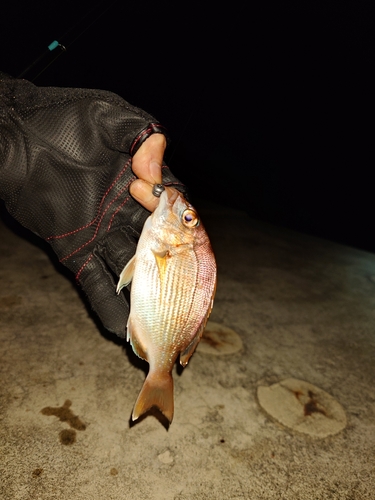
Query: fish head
<point x="176" y="221"/>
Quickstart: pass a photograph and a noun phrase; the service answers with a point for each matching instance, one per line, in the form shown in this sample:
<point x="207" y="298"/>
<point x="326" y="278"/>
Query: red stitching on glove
<point x="116" y="212"/>
<point x="135" y="142"/>
<point x="83" y="266"/>
<point x="97" y="227"/>
<point x="99" y="209"/>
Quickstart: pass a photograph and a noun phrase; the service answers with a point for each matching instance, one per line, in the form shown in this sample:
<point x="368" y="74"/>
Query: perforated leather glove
<point x="65" y="171"/>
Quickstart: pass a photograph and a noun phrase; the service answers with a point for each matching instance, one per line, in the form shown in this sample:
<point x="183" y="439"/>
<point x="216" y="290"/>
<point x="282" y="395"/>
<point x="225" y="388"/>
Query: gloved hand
<point x="65" y="171"/>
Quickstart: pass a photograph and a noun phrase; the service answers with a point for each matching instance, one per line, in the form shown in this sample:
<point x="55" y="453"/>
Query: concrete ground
<point x="277" y="403"/>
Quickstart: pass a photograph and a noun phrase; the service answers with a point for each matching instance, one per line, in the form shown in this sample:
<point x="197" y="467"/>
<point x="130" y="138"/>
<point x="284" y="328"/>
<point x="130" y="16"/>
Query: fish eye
<point x="190" y="218"/>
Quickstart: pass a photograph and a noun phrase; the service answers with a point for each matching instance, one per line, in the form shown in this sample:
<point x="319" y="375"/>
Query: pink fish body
<point x="173" y="276"/>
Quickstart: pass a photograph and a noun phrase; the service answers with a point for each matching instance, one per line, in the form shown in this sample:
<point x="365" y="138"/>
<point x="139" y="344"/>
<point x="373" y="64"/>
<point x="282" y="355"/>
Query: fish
<point x="173" y="277"/>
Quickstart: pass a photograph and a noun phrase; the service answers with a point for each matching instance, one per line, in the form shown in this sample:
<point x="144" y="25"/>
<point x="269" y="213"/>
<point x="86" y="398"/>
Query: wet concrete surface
<point x="299" y="308"/>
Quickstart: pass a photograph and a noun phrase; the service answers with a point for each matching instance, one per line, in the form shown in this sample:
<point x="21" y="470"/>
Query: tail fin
<point x="157" y="391"/>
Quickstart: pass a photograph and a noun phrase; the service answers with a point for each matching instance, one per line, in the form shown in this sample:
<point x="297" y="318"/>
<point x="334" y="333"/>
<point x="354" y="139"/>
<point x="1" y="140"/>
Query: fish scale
<point x="150" y="306"/>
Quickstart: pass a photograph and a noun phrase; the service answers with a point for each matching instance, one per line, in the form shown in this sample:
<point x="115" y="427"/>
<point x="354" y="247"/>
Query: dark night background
<point x="269" y="105"/>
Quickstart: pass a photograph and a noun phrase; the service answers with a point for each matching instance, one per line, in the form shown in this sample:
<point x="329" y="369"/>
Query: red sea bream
<point x="173" y="276"/>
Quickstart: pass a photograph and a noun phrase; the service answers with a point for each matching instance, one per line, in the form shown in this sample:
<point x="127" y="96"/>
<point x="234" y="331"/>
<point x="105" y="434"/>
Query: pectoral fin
<point x="161" y="261"/>
<point x="126" y="275"/>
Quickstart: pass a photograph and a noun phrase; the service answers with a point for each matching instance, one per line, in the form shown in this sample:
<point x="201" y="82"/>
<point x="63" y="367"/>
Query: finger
<point x="142" y="192"/>
<point x="147" y="161"/>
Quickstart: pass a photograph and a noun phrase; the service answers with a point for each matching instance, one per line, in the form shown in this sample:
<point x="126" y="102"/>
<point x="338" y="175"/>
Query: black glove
<point x="65" y="171"/>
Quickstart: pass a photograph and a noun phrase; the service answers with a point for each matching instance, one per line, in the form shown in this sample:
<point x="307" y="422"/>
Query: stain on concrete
<point x="302" y="407"/>
<point x="312" y="406"/>
<point x="218" y="340"/>
<point x="68" y="437"/>
<point x="37" y="472"/>
<point x="65" y="414"/>
<point x="9" y="301"/>
<point x="113" y="471"/>
<point x="209" y="338"/>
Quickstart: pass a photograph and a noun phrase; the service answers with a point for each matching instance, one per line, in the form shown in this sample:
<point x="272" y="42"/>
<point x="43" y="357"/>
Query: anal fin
<point x="189" y="351"/>
<point x="132" y="337"/>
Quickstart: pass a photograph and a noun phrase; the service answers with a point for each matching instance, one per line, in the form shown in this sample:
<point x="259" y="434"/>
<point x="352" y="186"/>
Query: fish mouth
<point x="172" y="195"/>
<point x="167" y="199"/>
<point x="171" y="206"/>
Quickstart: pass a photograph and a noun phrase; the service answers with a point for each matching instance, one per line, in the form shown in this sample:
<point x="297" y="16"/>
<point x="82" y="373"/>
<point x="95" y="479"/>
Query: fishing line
<point x="63" y="48"/>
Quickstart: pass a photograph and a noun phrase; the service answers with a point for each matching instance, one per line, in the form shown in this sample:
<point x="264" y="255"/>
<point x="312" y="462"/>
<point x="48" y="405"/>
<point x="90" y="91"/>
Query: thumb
<point x="146" y="165"/>
<point x="147" y="161"/>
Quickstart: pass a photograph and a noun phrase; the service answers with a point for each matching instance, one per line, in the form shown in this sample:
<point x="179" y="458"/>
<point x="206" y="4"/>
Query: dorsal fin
<point x="189" y="351"/>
